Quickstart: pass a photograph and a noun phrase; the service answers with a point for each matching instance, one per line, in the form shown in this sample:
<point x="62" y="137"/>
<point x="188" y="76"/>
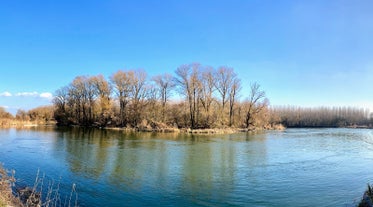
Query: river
<point x="295" y="167"/>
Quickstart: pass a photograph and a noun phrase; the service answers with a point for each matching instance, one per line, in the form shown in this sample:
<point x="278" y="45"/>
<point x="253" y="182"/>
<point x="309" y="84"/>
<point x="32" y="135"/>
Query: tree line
<point x="292" y="116"/>
<point x="195" y="97"/>
<point x="38" y="115"/>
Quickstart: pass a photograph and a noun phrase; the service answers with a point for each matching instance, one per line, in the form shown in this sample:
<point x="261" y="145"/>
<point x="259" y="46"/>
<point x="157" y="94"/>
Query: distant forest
<point x="291" y="116"/>
<point x="196" y="97"/>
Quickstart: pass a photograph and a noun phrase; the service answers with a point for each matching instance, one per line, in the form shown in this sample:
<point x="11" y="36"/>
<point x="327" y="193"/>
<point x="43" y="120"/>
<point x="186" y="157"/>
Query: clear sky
<point x="306" y="53"/>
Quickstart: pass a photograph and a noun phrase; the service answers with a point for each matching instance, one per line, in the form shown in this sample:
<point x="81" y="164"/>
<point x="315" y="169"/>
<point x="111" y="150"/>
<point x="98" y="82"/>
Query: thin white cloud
<point x="5" y="107"/>
<point x="33" y="94"/>
<point x="6" y="94"/>
<point x="27" y="95"/>
<point x="46" y="95"/>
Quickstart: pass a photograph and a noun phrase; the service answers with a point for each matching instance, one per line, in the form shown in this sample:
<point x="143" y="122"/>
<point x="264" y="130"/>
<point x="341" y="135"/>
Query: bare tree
<point x="41" y="114"/>
<point x="255" y="104"/>
<point x="103" y="90"/>
<point x="152" y="109"/>
<point x="211" y="99"/>
<point x="188" y="81"/>
<point x="22" y="115"/>
<point x="137" y="93"/>
<point x="233" y="93"/>
<point x="91" y="94"/>
<point x="224" y="81"/>
<point x="77" y="101"/>
<point x="81" y="98"/>
<point x="295" y="116"/>
<point x="61" y="97"/>
<point x="123" y="86"/>
<point x="164" y="84"/>
<point x="207" y="90"/>
<point x="60" y="101"/>
<point x="4" y="114"/>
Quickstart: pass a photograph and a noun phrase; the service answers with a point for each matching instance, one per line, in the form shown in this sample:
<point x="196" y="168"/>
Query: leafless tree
<point x="81" y="98"/>
<point x="123" y="86"/>
<point x="207" y="91"/>
<point x="60" y="101"/>
<point x="189" y="83"/>
<point x="4" y="114"/>
<point x="211" y="100"/>
<point x="41" y="114"/>
<point x="164" y="85"/>
<point x="22" y="115"/>
<point x="233" y="93"/>
<point x="77" y="100"/>
<point x="255" y="104"/>
<point x="295" y="116"/>
<point x="137" y="93"/>
<point x="224" y="77"/>
<point x="103" y="90"/>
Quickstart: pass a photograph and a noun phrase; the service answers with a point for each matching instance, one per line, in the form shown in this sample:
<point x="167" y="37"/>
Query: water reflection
<point x="198" y="167"/>
<point x="150" y="169"/>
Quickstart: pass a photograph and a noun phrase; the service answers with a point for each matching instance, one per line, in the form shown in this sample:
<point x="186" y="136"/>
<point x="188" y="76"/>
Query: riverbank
<point x="14" y="123"/>
<point x="226" y="130"/>
<point x="146" y="126"/>
<point x="156" y="128"/>
<point x="11" y="196"/>
<point x="7" y="199"/>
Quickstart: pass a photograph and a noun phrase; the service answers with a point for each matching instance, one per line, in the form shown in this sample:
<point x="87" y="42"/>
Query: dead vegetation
<point x="6" y="194"/>
<point x="367" y="200"/>
<point x="11" y="196"/>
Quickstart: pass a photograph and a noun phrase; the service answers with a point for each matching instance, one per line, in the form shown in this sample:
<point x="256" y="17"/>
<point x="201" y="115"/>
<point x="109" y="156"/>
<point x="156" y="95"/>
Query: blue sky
<point x="306" y="53"/>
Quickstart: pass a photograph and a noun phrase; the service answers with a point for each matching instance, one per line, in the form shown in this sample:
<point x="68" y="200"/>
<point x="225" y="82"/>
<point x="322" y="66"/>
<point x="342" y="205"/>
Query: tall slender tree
<point x="164" y="84"/>
<point x="224" y="82"/>
<point x="137" y="94"/>
<point x="123" y="86"/>
<point x="103" y="90"/>
<point x="233" y="93"/>
<point x="189" y="83"/>
<point x="207" y="91"/>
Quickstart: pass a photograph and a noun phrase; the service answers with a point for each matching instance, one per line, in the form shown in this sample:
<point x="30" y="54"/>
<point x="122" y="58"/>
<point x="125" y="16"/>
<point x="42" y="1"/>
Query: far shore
<point x="226" y="130"/>
<point x="223" y="130"/>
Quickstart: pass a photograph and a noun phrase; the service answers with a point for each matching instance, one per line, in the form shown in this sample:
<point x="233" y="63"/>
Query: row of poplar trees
<point x="196" y="96"/>
<point x="292" y="116"/>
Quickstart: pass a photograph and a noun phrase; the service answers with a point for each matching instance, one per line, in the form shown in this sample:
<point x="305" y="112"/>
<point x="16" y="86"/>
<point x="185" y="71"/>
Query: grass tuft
<point x="33" y="197"/>
<point x="367" y="200"/>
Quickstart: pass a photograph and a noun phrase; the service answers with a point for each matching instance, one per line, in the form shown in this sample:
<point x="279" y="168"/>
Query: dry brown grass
<point x="367" y="200"/>
<point x="6" y="195"/>
<point x="14" y="123"/>
<point x="31" y="197"/>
